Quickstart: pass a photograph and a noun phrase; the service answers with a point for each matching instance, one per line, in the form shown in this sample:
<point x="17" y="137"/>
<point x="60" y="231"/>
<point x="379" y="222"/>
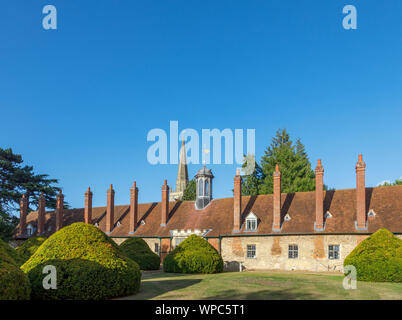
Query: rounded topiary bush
<point x="14" y="284"/>
<point x="193" y="255"/>
<point x="11" y="252"/>
<point x="29" y="247"/>
<point x="89" y="266"/>
<point x="138" y="250"/>
<point x="378" y="258"/>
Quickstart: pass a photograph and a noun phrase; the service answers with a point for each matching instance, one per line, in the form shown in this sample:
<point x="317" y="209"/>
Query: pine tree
<point x="252" y="183"/>
<point x="293" y="162"/>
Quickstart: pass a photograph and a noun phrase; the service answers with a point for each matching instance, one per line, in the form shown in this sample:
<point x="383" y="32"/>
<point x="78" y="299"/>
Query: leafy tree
<point x="190" y="193"/>
<point x="397" y="182"/>
<point x="17" y="179"/>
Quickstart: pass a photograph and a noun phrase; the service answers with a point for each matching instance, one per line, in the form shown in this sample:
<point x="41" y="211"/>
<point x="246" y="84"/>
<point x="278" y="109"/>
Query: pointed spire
<point x="182" y="174"/>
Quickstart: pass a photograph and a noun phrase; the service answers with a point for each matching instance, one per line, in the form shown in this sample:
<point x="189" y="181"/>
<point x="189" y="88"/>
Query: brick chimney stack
<point x="41" y="214"/>
<point x="319" y="197"/>
<point x="237" y="202"/>
<point x="110" y="210"/>
<point x="59" y="211"/>
<point x="23" y="214"/>
<point x="88" y="206"/>
<point x="360" y="194"/>
<point x="276" y="226"/>
<point x="133" y="208"/>
<point x="164" y="204"/>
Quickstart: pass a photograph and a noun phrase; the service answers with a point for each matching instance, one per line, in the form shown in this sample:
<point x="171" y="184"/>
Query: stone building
<point x="311" y="231"/>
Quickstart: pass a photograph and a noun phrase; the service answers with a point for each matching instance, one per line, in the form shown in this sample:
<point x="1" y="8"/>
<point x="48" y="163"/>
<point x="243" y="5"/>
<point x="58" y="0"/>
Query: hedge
<point x="14" y="284"/>
<point x="89" y="266"/>
<point x="378" y="258"/>
<point x="138" y="250"/>
<point x="11" y="252"/>
<point x="29" y="247"/>
<point x="193" y="255"/>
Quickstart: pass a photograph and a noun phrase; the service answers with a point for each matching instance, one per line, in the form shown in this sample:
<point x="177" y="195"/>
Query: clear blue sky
<point x="78" y="102"/>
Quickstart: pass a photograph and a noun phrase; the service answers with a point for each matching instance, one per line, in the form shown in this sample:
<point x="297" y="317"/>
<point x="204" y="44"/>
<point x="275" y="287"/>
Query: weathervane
<point x="204" y="151"/>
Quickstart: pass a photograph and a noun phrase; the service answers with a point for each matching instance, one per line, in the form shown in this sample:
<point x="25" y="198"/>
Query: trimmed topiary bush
<point x="14" y="284"/>
<point x="378" y="258"/>
<point x="11" y="252"/>
<point x="89" y="266"/>
<point x="193" y="255"/>
<point x="138" y="250"/>
<point x="29" y="247"/>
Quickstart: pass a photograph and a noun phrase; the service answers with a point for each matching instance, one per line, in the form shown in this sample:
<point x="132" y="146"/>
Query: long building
<point x="311" y="231"/>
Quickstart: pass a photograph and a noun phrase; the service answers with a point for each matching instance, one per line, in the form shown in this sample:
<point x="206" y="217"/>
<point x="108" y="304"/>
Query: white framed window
<point x="251" y="251"/>
<point x="200" y="187"/>
<point x="251" y="222"/>
<point x="156" y="248"/>
<point x="293" y="251"/>
<point x="206" y="188"/>
<point x="333" y="252"/>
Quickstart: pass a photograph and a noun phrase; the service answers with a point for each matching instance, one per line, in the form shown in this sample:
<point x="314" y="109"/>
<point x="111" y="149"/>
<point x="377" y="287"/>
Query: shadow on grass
<point x="154" y="288"/>
<point x="266" y="294"/>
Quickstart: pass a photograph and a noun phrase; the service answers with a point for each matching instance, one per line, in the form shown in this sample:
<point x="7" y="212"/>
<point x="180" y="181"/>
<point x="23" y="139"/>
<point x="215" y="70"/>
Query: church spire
<point x="182" y="174"/>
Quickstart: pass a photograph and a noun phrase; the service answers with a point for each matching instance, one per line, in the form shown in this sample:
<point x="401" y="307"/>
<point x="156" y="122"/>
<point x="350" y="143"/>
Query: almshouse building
<point x="311" y="231"/>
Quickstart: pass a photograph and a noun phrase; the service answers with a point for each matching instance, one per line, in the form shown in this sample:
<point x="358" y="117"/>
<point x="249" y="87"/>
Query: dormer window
<point x="251" y="222"/>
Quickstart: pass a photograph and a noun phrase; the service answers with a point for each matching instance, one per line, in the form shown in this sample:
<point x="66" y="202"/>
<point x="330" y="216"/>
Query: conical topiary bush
<point x="89" y="266"/>
<point x="138" y="250"/>
<point x="378" y="258"/>
<point x="193" y="255"/>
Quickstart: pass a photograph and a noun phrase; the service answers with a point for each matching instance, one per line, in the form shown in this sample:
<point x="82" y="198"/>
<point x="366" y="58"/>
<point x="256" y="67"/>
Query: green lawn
<point x="259" y="285"/>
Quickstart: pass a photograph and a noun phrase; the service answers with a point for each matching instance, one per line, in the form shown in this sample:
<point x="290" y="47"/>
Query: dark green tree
<point x="190" y="192"/>
<point x="293" y="162"/>
<point x="252" y="183"/>
<point x="17" y="179"/>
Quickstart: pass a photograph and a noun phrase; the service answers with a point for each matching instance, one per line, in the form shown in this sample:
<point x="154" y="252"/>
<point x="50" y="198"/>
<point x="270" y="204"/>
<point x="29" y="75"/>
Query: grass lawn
<point x="258" y="285"/>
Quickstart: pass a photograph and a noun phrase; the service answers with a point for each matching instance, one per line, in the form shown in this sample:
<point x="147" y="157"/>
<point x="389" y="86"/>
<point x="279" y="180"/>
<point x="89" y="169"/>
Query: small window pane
<point x="251" y="251"/>
<point x="206" y="188"/>
<point x="293" y="251"/>
<point x="333" y="251"/>
<point x="251" y="224"/>
<point x="157" y="247"/>
<point x="200" y="188"/>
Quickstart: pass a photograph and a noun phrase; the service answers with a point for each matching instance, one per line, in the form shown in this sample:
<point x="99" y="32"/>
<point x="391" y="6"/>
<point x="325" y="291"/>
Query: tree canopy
<point x="397" y="182"/>
<point x="17" y="179"/>
<point x="294" y="165"/>
<point x="190" y="193"/>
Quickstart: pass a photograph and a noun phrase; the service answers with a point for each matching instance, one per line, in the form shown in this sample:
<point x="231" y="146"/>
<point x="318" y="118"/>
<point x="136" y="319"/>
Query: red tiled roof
<point x="218" y="215"/>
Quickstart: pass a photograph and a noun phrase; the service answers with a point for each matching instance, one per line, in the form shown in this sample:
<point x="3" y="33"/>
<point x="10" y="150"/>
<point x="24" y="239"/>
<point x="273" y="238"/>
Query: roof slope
<point x="218" y="216"/>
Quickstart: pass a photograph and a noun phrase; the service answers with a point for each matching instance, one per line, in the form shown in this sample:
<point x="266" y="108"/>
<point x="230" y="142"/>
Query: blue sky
<point x="78" y="102"/>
